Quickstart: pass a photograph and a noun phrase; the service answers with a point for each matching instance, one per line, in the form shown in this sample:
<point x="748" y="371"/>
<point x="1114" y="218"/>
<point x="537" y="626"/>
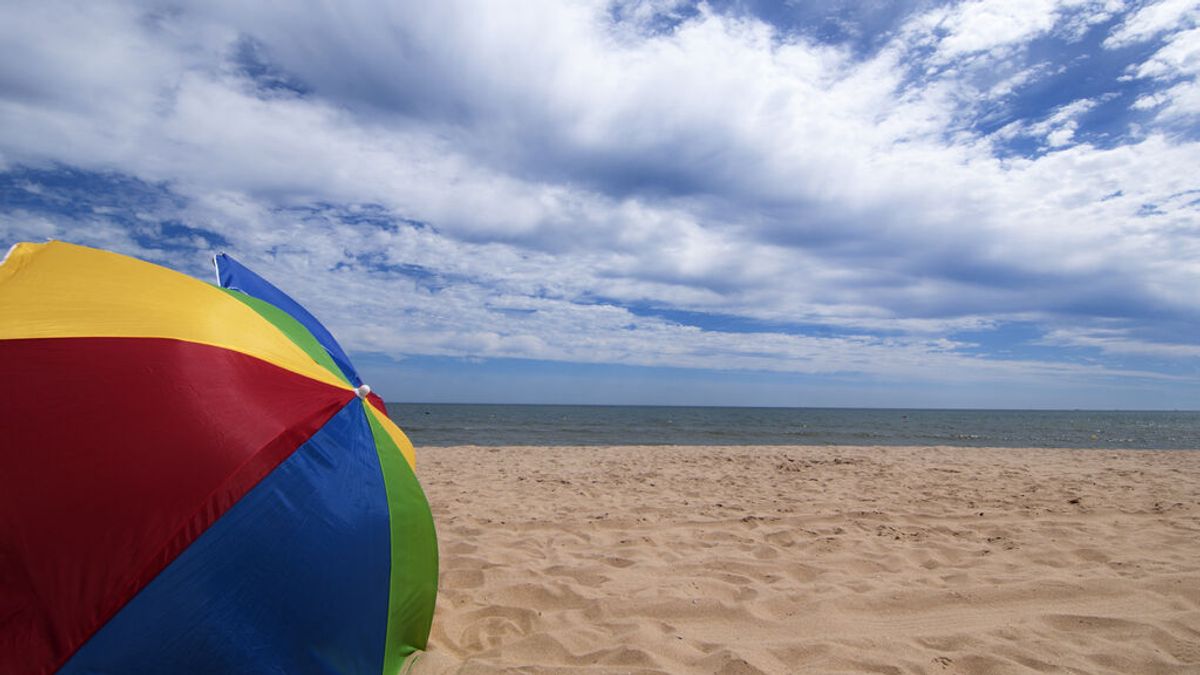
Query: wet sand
<point x="814" y="559"/>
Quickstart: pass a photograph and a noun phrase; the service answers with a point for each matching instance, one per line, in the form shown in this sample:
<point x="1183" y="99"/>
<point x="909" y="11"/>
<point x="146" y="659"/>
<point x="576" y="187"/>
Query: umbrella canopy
<point x="194" y="479"/>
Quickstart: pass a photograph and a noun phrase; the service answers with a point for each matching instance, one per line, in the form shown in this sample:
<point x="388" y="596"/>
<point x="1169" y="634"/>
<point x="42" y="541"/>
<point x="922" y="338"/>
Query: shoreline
<point x="814" y="559"/>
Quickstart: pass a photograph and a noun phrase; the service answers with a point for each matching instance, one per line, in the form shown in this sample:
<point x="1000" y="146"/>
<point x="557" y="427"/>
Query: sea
<point x="445" y="424"/>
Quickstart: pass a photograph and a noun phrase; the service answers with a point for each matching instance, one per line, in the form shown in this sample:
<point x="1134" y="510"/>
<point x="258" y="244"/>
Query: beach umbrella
<point x="193" y="478"/>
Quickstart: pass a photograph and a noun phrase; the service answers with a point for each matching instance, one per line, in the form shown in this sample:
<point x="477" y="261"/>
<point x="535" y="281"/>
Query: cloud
<point x="1178" y="64"/>
<point x="997" y="27"/>
<point x="470" y="179"/>
<point x="1152" y="19"/>
<point x="1057" y="130"/>
<point x="1175" y="65"/>
<point x="1118" y="341"/>
<point x="986" y="25"/>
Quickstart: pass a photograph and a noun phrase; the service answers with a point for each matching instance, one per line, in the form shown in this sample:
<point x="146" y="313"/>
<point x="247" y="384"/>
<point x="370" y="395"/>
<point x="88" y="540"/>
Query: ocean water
<point x="443" y="424"/>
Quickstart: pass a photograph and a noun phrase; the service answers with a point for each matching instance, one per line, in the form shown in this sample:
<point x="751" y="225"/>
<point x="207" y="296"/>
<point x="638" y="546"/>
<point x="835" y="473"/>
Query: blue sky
<point x="964" y="204"/>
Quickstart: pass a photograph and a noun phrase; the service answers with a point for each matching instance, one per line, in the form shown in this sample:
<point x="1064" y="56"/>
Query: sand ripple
<point x="814" y="559"/>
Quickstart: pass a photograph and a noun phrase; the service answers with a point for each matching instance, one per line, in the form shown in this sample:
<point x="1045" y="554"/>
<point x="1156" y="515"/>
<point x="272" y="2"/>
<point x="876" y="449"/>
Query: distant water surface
<point x="443" y="424"/>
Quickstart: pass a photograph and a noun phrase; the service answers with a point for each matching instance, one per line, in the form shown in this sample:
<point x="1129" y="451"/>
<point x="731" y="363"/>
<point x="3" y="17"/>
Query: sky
<point x="985" y="204"/>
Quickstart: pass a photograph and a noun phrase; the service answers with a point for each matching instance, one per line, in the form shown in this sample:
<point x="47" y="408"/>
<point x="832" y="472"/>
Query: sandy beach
<point x="814" y="559"/>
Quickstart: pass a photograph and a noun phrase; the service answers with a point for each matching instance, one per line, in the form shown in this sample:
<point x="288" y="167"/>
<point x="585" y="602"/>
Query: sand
<point x="814" y="559"/>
